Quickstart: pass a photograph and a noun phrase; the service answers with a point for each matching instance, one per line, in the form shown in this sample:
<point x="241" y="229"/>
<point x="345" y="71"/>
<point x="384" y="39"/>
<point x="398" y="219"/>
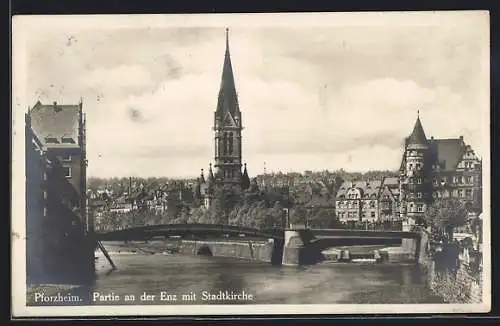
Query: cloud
<point x="311" y="98"/>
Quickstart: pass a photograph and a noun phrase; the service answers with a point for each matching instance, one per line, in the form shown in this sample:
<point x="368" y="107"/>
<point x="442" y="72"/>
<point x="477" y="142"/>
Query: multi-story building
<point x="368" y="201"/>
<point x="58" y="250"/>
<point x="228" y="127"/>
<point x="357" y="201"/>
<point x="388" y="200"/>
<point x="438" y="168"/>
<point x="61" y="130"/>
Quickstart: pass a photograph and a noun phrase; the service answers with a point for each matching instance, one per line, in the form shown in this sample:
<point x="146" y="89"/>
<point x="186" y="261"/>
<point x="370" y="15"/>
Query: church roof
<point x="228" y="98"/>
<point x="418" y="134"/>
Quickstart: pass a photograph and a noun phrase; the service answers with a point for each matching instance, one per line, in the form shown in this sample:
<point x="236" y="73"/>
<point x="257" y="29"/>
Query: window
<point x="67" y="171"/>
<point x="419" y="195"/>
<point x="434" y="182"/>
<point x="68" y="140"/>
<point x="470" y="180"/>
<point x="419" y="180"/>
<point x="443" y="180"/>
<point x="230" y="144"/>
<point x="410" y="166"/>
<point x="468" y="193"/>
<point x="225" y="141"/>
<point x="373" y="214"/>
<point x="420" y="208"/>
<point x="66" y="157"/>
<point x="418" y="166"/>
<point x="455" y="179"/>
<point x="460" y="193"/>
<point x="45" y="211"/>
<point x="372" y="204"/>
<point x="411" y="207"/>
<point x="51" y="140"/>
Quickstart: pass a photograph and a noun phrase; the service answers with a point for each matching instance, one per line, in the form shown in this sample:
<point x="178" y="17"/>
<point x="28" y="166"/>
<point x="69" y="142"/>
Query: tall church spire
<point x="228" y="127"/>
<point x="228" y="99"/>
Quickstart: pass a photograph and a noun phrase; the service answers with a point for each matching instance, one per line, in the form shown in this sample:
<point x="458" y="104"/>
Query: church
<point x="227" y="126"/>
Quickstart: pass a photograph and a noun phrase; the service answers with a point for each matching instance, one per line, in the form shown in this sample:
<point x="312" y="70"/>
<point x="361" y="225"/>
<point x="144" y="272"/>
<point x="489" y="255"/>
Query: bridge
<point x="298" y="246"/>
<point x="188" y="231"/>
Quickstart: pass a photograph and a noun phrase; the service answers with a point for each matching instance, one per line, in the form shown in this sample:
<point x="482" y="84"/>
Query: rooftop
<point x="56" y="125"/>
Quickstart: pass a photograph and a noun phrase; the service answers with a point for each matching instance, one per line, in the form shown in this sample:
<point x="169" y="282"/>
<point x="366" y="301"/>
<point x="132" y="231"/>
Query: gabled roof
<point x="391" y="182"/>
<point x="447" y="153"/>
<point x="228" y="121"/>
<point x="417" y="136"/>
<point x="56" y="125"/>
<point x="367" y="188"/>
<point x="228" y="98"/>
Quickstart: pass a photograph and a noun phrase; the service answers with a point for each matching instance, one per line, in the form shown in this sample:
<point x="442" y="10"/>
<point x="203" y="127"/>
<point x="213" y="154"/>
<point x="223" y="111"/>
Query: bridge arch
<point x="204" y="251"/>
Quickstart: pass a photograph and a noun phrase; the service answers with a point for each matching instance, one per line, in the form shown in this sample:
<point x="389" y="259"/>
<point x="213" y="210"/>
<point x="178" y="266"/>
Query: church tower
<point x="228" y="128"/>
<point x="414" y="176"/>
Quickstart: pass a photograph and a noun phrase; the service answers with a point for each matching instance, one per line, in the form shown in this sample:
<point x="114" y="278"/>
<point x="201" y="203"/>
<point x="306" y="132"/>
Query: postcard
<point x="239" y="164"/>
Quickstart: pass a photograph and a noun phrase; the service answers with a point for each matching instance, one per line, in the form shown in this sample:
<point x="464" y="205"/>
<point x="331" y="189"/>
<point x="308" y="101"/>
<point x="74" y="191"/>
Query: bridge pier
<point x="293" y="248"/>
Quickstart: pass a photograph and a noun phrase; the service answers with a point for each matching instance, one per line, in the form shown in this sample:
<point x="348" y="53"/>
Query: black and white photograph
<point x="222" y="164"/>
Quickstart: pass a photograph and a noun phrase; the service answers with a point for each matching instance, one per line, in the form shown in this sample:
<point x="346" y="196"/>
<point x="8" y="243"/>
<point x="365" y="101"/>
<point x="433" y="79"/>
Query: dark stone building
<point x="438" y="168"/>
<point x="228" y="127"/>
<point x="58" y="250"/>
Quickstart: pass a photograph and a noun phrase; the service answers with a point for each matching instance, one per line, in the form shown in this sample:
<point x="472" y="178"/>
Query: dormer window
<point x="67" y="140"/>
<point x="51" y="140"/>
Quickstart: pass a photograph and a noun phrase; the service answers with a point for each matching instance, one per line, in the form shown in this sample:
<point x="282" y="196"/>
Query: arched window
<point x="230" y="143"/>
<point x="225" y="143"/>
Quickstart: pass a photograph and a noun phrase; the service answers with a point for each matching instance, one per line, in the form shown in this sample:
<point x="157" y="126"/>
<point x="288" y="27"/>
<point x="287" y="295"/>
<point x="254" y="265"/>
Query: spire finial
<point x="227" y="39"/>
<point x="418" y="113"/>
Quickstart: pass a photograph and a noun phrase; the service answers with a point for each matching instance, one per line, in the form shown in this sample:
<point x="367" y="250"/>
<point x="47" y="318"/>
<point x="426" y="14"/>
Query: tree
<point x="444" y="215"/>
<point x="298" y="215"/>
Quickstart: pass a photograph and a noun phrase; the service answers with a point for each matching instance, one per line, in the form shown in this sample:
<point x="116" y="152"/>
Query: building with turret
<point x="228" y="127"/>
<point x="437" y="168"/>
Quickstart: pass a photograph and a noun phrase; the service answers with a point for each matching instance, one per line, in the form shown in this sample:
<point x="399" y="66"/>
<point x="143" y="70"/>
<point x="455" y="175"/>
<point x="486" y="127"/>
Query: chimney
<point x="432" y="137"/>
<point x="461" y="137"/>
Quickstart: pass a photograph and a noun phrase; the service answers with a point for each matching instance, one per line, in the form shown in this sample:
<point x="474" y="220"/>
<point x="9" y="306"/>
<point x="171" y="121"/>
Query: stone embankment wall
<point x="248" y="250"/>
<point x="459" y="286"/>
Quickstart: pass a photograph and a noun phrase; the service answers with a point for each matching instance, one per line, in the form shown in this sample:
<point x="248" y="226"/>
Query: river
<point x="256" y="282"/>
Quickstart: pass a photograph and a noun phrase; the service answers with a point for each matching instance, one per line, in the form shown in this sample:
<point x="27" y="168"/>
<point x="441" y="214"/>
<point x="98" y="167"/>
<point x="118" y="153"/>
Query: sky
<point x="315" y="93"/>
